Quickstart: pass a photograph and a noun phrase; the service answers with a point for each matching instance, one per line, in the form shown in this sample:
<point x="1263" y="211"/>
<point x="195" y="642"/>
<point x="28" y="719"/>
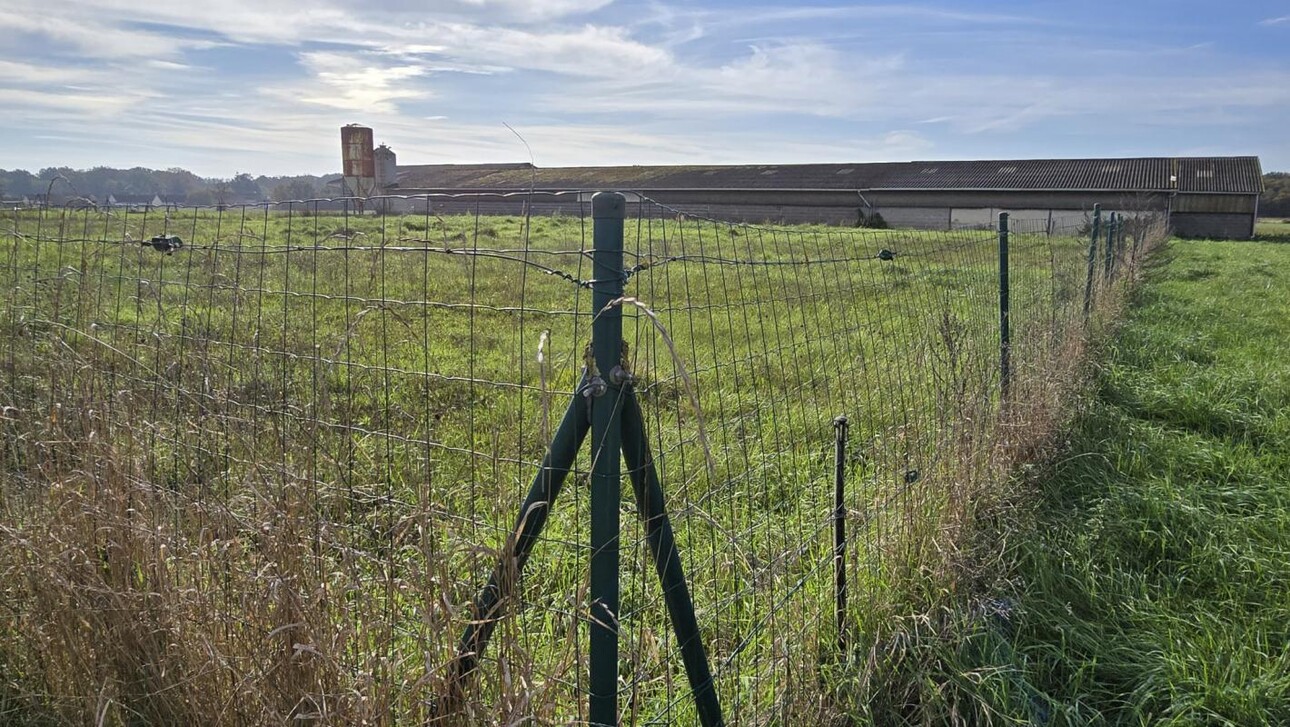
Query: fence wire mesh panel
<point x="259" y="461"/>
<point x="778" y="331"/>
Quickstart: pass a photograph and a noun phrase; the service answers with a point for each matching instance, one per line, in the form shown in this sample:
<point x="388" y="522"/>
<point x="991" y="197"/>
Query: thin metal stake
<point x="1005" y="334"/>
<point x="840" y="532"/>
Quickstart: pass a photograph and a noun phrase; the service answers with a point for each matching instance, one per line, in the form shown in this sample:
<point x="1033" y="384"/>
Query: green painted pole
<point x="1005" y="333"/>
<point x="667" y="560"/>
<point x="608" y="209"/>
<point x="487" y="608"/>
<point x="1092" y="261"/>
<point x="1115" y="234"/>
<point x="1110" y="248"/>
<point x="1118" y="262"/>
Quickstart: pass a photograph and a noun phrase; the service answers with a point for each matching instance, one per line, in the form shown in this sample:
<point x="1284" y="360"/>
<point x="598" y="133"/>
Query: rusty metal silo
<point x="358" y="162"/>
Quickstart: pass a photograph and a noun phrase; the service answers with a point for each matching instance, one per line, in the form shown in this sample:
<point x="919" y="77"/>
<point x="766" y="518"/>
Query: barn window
<point x="769" y="172"/>
<point x="1205" y="173"/>
<point x="931" y="170"/>
<point x="1007" y="170"/>
<point x="845" y="171"/>
<point x="1111" y="168"/>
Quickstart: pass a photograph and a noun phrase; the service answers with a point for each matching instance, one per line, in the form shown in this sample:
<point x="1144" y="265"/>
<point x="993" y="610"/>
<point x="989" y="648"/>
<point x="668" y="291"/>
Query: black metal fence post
<point x="608" y="212"/>
<point x="840" y="532"/>
<point x="1005" y="334"/>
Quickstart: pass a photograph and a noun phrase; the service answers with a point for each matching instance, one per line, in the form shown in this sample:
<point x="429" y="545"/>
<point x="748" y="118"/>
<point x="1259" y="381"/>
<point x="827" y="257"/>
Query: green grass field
<point x="1272" y="229"/>
<point x="262" y="478"/>
<point x="1150" y="582"/>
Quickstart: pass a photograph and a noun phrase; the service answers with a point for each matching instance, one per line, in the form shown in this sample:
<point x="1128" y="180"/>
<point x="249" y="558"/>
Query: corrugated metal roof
<point x="758" y="176"/>
<point x="448" y="176"/>
<point x="1220" y="174"/>
<point x="1230" y="175"/>
<point x="1034" y="174"/>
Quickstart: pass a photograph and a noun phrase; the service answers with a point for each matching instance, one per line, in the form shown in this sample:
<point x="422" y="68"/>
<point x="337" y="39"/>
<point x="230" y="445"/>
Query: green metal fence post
<point x="1129" y="245"/>
<point x="1092" y="261"/>
<point x="609" y="209"/>
<point x="1122" y="233"/>
<point x="1110" y="248"/>
<point x="1116" y="232"/>
<point x="1119" y="243"/>
<point x="1005" y="334"/>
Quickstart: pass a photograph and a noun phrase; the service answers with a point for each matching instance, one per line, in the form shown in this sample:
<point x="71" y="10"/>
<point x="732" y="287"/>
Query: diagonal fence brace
<point x="490" y="604"/>
<point x="488" y="607"/>
<point x="618" y="433"/>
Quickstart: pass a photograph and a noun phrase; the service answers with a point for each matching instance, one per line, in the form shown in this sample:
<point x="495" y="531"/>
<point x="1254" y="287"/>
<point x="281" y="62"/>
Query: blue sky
<point x="262" y="85"/>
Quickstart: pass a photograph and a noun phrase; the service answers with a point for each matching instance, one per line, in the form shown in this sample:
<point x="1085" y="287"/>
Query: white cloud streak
<point x="355" y="82"/>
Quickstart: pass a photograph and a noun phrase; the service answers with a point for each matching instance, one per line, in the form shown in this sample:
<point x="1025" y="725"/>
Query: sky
<point x="261" y="86"/>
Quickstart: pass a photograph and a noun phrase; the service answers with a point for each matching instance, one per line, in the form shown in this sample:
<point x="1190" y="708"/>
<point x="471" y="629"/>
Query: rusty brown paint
<point x="356" y="151"/>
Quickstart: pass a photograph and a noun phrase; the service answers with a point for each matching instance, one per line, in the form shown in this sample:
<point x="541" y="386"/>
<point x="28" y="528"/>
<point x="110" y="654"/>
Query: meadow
<point x="259" y="477"/>
<point x="1272" y="229"/>
<point x="1148" y="576"/>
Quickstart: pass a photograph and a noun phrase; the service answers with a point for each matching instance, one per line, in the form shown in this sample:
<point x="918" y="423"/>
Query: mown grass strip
<point x="1150" y="578"/>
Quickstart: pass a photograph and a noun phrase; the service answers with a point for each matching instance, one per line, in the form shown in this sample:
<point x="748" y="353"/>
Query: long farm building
<point x="1200" y="196"/>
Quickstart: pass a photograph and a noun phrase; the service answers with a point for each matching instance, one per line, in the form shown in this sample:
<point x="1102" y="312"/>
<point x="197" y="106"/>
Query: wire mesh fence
<point x="260" y="461"/>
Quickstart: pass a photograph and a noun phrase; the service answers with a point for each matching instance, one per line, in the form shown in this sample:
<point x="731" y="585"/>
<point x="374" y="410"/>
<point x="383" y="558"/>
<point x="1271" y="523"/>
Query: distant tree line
<point x="172" y="185"/>
<point x="1275" y="201"/>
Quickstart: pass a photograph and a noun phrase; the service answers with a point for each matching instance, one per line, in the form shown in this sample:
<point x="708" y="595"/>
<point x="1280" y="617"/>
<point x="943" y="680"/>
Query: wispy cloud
<point x="357" y="82"/>
<point x="45" y="74"/>
<point x="854" y="12"/>
<point x="93" y="39"/>
<point x="264" y="83"/>
<point x="697" y="21"/>
<point x="79" y="106"/>
<point x="588" y="51"/>
<point x="806" y="79"/>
